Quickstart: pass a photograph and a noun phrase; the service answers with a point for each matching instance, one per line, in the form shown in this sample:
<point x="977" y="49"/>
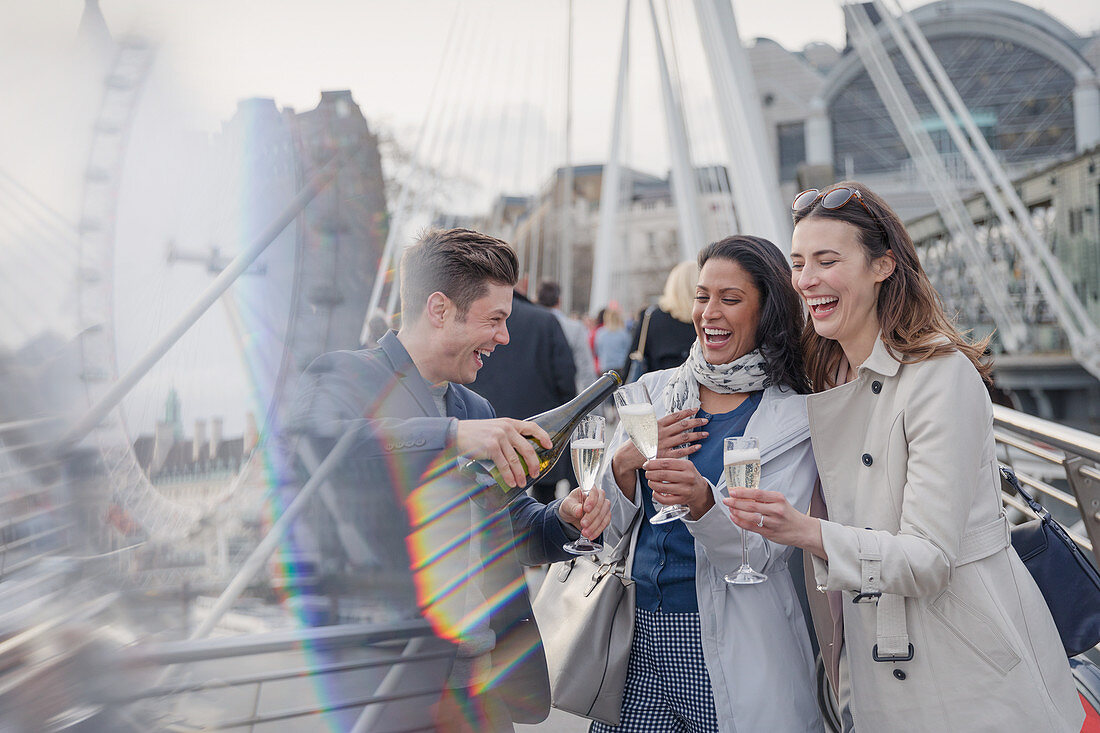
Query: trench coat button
<point x="899" y="674"/>
<point x="876" y="386"/>
<point x="867" y="460"/>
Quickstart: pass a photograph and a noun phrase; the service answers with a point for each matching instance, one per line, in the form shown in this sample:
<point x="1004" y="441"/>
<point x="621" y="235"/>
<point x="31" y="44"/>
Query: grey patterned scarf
<point x="745" y="374"/>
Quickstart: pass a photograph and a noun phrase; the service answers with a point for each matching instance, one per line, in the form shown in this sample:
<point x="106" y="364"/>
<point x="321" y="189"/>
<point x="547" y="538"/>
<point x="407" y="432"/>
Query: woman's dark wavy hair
<point x="910" y="312"/>
<point x="779" y="331"/>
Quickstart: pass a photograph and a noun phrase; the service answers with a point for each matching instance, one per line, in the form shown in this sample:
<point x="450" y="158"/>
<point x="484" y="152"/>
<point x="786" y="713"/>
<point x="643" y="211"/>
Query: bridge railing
<point x="1040" y="451"/>
<point x="355" y="674"/>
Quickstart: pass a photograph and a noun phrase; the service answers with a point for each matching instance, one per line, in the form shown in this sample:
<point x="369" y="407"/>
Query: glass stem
<point x="744" y="550"/>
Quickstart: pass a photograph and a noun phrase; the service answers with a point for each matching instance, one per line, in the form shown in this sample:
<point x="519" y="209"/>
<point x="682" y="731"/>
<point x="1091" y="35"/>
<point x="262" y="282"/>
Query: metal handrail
<point x="327" y="637"/>
<point x="1075" y="452"/>
<point x="197" y="650"/>
<point x="1071" y="440"/>
<point x="302" y="712"/>
<point x="1045" y="488"/>
<point x="1028" y="447"/>
<point x="275" y="675"/>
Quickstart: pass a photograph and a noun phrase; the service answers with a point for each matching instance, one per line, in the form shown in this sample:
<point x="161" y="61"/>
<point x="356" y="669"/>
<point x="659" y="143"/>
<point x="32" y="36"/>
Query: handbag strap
<point x="1010" y="477"/>
<point x="623" y="547"/>
<point x="639" y="352"/>
<point x="622" y="554"/>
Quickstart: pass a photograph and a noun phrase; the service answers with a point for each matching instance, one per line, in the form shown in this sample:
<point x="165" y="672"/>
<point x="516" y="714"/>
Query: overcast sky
<point x="213" y="52"/>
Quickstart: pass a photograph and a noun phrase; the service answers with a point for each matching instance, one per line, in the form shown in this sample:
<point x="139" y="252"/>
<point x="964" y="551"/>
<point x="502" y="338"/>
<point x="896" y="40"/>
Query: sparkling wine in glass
<point x="586" y="448"/>
<point x="640" y="422"/>
<point x="741" y="463"/>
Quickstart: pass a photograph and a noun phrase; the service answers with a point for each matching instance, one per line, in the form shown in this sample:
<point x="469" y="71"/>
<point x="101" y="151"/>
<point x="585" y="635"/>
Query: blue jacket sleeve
<point x="539" y="531"/>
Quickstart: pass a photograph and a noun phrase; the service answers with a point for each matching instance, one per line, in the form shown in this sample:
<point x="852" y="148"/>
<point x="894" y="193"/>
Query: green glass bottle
<point x="559" y="423"/>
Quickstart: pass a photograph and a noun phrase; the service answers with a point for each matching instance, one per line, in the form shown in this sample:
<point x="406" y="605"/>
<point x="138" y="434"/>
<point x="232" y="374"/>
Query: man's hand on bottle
<point x="503" y="441"/>
<point x="589" y="514"/>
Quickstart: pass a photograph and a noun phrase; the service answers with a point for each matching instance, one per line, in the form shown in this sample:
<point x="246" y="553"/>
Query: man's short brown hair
<point x="460" y="263"/>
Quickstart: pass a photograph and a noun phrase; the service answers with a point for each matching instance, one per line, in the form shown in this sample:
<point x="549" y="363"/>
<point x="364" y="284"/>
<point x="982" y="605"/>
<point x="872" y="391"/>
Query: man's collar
<point x="397" y="353"/>
<point x="406" y="370"/>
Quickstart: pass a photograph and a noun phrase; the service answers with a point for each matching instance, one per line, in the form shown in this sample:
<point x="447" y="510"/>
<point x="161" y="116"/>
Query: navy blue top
<point x="664" y="558"/>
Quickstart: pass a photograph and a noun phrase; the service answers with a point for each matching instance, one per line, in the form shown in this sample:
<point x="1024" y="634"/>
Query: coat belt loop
<point x="892" y="636"/>
<point x="870" y="568"/>
<point x="981" y="542"/>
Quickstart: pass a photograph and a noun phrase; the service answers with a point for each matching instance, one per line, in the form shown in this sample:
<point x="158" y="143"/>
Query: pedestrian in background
<point x="549" y="296"/>
<point x="670" y="332"/>
<point x="594" y="325"/>
<point x="377" y="326"/>
<point x="613" y="342"/>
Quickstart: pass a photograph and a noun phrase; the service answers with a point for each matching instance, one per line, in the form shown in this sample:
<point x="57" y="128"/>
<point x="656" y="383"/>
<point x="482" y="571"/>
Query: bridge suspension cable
<point x="917" y="141"/>
<point x="1083" y="335"/>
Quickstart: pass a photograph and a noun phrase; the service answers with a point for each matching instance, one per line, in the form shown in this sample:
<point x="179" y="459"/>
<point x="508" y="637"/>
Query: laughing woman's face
<point x="726" y="312"/>
<point x="831" y="271"/>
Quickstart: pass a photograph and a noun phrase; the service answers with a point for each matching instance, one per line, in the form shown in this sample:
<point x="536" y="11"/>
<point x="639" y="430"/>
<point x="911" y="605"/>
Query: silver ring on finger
<point x="761" y="522"/>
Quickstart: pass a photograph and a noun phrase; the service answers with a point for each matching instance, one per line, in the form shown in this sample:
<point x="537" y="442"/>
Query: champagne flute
<point x="741" y="462"/>
<point x="586" y="448"/>
<point x="640" y="422"/>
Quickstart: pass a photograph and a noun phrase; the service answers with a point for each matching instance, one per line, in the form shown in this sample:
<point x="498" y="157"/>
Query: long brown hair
<point x="910" y="312"/>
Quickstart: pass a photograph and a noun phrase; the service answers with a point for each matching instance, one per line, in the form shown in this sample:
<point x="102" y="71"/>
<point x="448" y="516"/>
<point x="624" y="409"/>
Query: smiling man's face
<point x="464" y="341"/>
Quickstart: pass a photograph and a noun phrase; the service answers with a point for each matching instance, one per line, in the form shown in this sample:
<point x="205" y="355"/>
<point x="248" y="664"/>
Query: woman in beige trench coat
<point x="943" y="628"/>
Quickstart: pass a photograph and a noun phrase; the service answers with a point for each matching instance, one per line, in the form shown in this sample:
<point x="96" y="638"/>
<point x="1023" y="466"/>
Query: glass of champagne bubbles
<point x="741" y="463"/>
<point x="586" y="448"/>
<point x="639" y="420"/>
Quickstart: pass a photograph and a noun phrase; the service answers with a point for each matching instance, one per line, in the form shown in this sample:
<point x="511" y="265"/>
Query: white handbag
<point x="585" y="610"/>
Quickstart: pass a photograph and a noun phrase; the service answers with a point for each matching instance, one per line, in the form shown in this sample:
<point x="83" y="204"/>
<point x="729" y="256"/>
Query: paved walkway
<point x="558" y="722"/>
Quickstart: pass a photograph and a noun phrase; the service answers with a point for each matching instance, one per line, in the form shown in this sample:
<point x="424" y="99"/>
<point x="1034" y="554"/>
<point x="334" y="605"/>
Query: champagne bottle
<point x="559" y="423"/>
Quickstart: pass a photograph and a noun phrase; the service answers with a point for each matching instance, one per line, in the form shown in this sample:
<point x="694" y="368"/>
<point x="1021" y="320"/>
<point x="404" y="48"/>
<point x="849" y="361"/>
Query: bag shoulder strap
<point x="623" y="552"/>
<point x="640" y="351"/>
<point x="1009" y="477"/>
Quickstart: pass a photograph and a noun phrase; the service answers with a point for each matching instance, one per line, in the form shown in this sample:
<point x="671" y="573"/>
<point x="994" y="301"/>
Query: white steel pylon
<point x="752" y="168"/>
<point x="685" y="192"/>
<point x="607" y="235"/>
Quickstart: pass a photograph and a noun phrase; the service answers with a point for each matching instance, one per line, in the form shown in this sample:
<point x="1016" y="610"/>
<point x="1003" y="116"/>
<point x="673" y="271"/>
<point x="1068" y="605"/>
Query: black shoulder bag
<point x="1066" y="578"/>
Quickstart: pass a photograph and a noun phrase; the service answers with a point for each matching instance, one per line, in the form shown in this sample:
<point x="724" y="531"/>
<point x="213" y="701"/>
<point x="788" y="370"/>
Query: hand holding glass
<point x="586" y="448"/>
<point x="640" y="423"/>
<point x="741" y="459"/>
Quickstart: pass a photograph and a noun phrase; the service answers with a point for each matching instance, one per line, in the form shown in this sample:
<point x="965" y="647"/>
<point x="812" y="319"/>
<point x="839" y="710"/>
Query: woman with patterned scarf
<point x="708" y="656"/>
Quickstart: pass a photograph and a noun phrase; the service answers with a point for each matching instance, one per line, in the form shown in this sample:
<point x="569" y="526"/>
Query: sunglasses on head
<point x="834" y="198"/>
